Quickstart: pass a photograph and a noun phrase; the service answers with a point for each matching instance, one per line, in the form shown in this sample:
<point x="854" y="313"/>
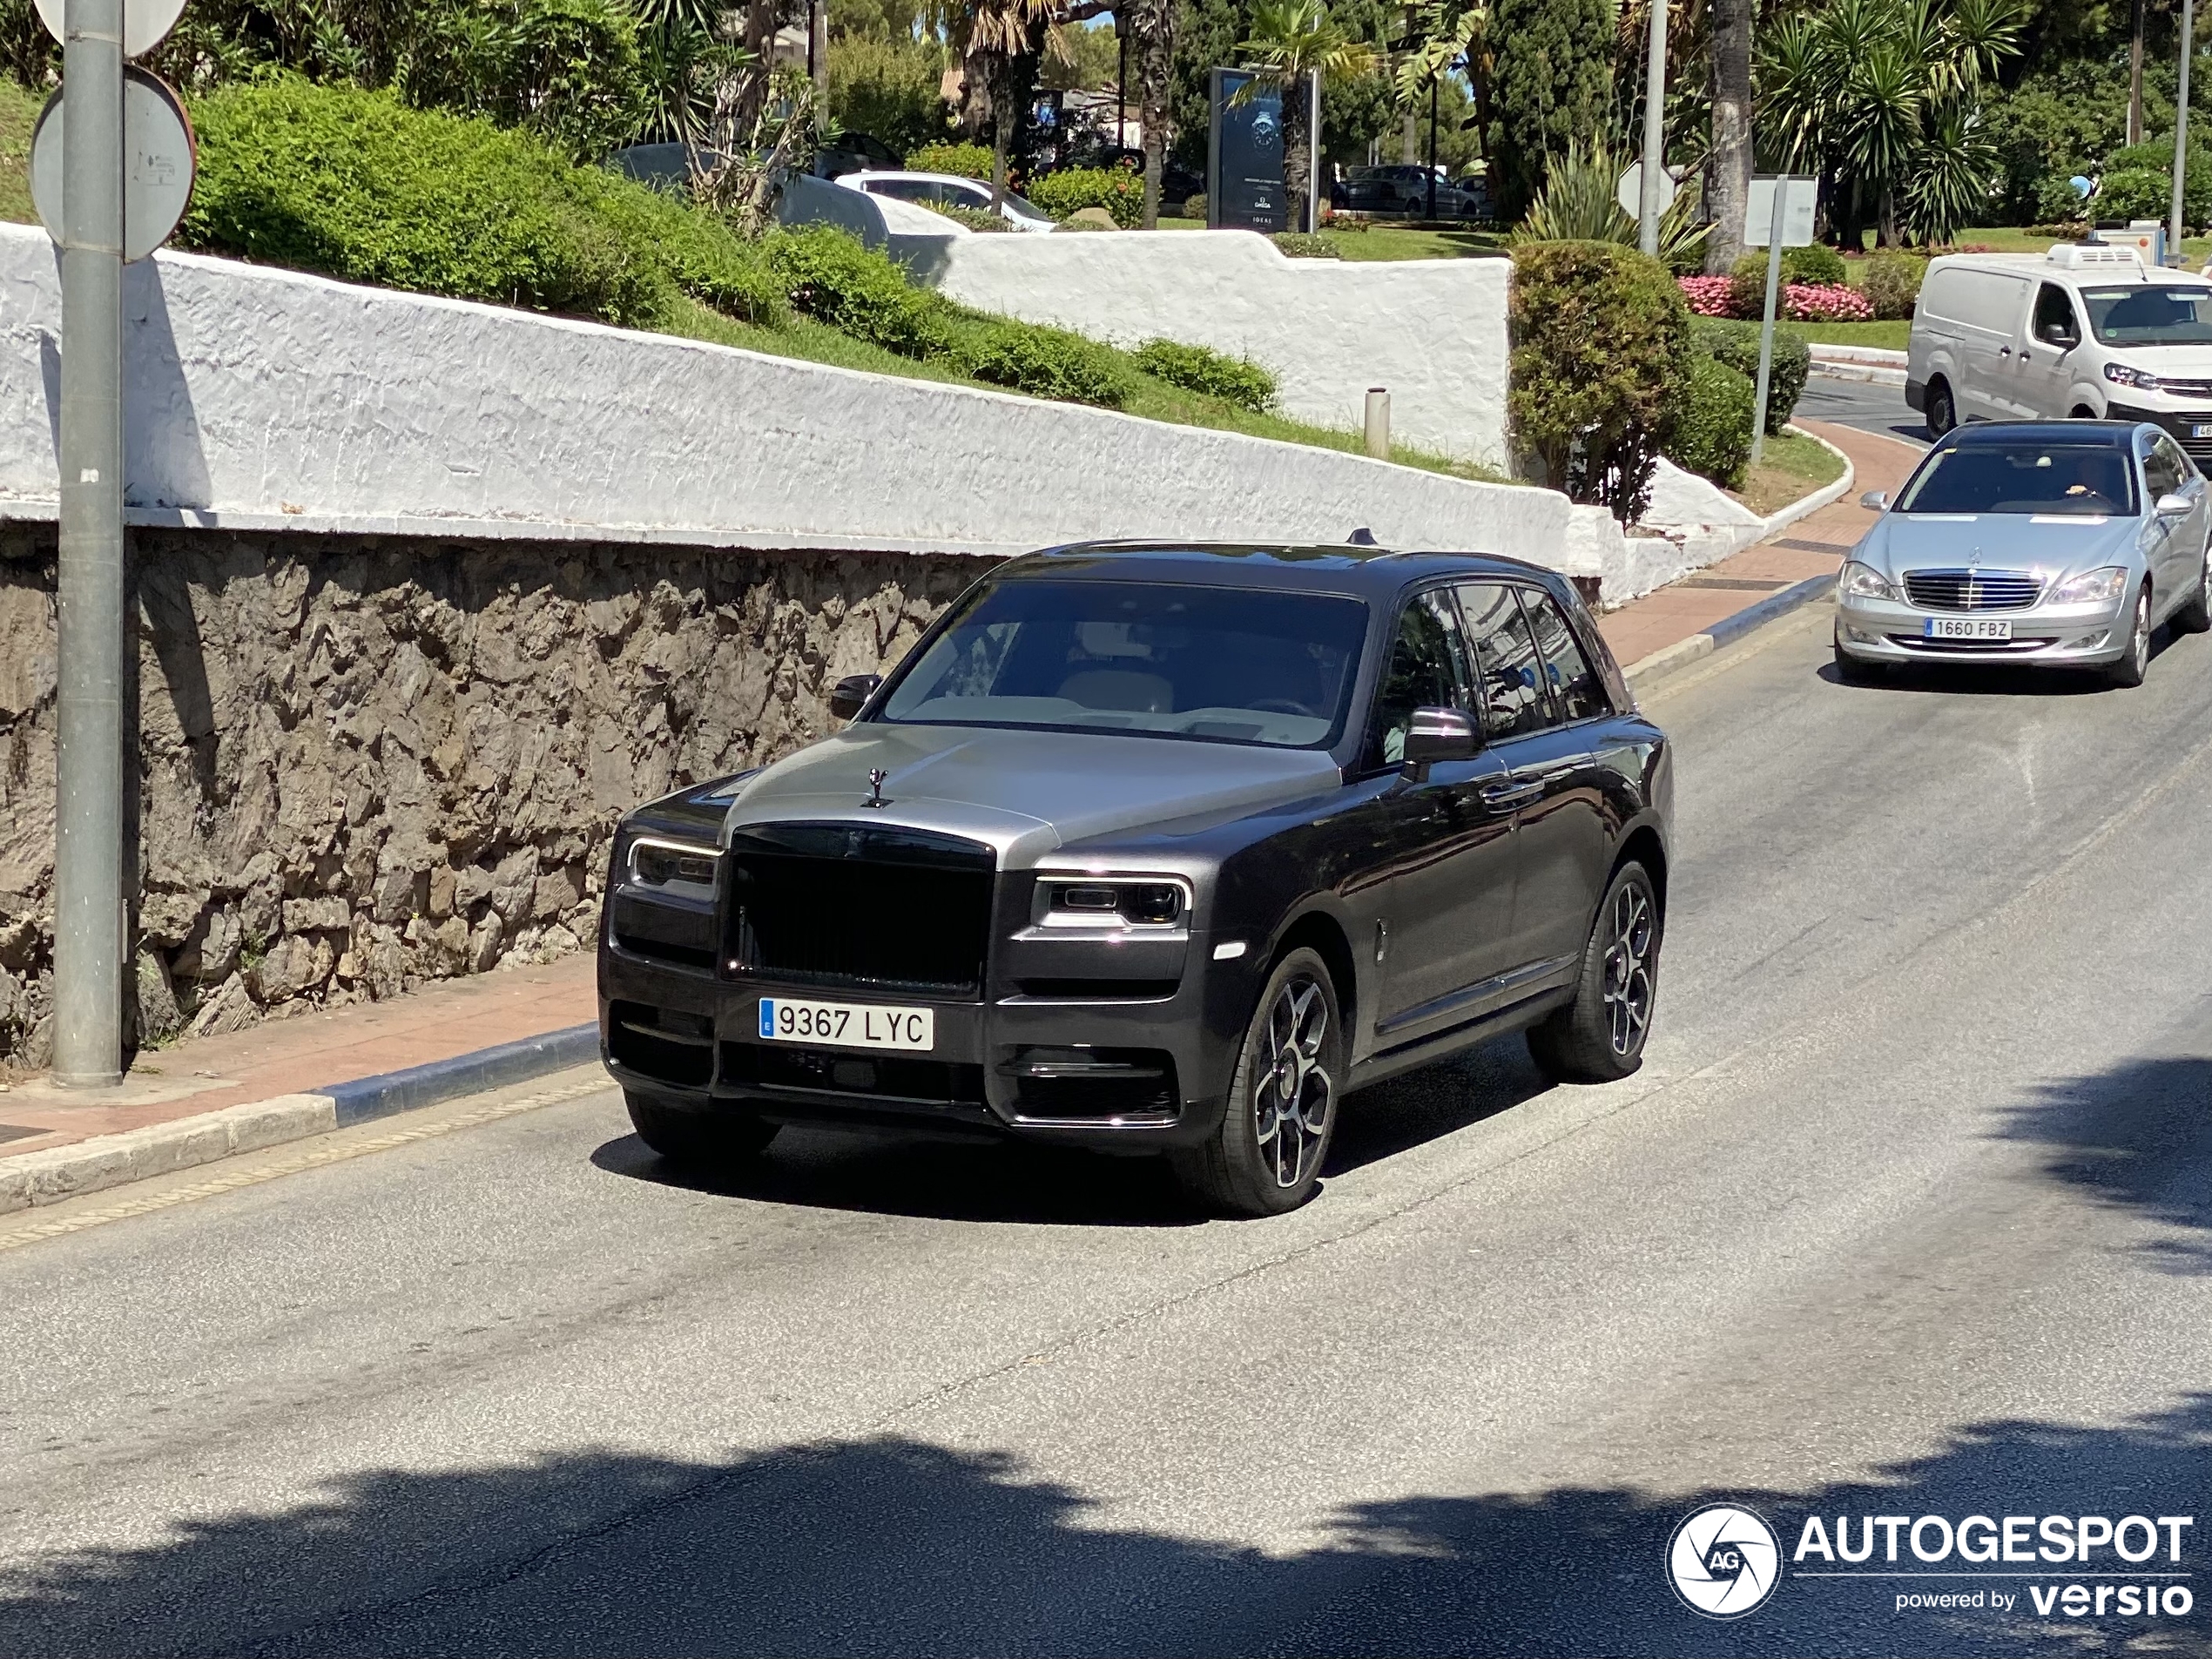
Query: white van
<point x="2084" y="331"/>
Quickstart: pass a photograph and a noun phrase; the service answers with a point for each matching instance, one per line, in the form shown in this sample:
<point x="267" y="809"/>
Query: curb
<point x="1671" y="659"/>
<point x="1873" y="373"/>
<point x="105" y="1161"/>
<point x="1826" y="495"/>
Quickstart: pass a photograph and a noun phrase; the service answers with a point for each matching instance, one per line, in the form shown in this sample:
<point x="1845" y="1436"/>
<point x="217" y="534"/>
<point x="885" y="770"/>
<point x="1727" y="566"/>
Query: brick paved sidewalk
<point x="1815" y="545"/>
<point x="315" y="1050"/>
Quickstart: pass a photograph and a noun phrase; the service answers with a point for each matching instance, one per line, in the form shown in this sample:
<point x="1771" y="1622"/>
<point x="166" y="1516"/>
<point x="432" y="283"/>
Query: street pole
<point x="1766" y="329"/>
<point x="1431" y="149"/>
<point x="1313" y="152"/>
<point x="89" y="888"/>
<point x="817" y="60"/>
<point x="2181" y="125"/>
<point x="1655" y="131"/>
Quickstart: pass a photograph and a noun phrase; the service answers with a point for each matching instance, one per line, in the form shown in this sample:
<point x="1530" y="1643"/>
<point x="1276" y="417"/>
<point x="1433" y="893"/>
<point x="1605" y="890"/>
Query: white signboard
<point x="1800" y="197"/>
<point x="144" y="23"/>
<point x="158" y="158"/>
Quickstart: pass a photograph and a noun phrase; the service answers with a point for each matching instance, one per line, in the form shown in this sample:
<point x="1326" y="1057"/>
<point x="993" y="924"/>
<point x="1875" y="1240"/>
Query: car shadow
<point x="1961" y="679"/>
<point x="1026" y="1183"/>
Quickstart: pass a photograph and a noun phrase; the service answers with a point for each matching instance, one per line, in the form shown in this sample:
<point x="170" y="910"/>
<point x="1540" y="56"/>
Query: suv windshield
<point x="2094" y="480"/>
<point x="2142" y="315"/>
<point x="1224" y="663"/>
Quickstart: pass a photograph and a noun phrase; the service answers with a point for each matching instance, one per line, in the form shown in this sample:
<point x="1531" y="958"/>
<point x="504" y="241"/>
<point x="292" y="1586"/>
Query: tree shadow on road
<point x="891" y="1546"/>
<point x="2137" y="1138"/>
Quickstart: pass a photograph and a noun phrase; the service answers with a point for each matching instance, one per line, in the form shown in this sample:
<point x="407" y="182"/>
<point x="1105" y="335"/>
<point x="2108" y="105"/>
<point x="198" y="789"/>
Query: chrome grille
<point x="1973" y="590"/>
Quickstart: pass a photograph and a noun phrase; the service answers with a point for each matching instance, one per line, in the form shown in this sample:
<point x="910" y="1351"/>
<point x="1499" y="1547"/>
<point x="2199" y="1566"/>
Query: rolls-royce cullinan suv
<point x="1157" y="847"/>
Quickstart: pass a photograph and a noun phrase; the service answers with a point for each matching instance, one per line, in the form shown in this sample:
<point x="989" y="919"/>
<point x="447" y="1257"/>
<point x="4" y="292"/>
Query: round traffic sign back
<point x="146" y="23"/>
<point x="159" y="156"/>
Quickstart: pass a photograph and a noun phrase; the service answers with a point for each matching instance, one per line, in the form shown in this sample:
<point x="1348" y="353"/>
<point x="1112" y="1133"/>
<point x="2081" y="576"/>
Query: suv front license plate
<point x="1965" y="628"/>
<point x="847" y="1025"/>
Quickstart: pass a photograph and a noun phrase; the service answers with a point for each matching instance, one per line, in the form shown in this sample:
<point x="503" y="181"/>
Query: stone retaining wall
<point x="369" y="761"/>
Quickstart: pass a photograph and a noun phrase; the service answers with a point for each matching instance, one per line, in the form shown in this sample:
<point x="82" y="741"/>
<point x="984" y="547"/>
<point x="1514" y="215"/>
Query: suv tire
<point x="700" y="1139"/>
<point x="1599" y="1037"/>
<point x="1281" y="1115"/>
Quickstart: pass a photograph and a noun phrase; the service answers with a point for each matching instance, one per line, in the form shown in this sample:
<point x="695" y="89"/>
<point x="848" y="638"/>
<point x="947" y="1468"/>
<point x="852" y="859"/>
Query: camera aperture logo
<point x="1725" y="1562"/>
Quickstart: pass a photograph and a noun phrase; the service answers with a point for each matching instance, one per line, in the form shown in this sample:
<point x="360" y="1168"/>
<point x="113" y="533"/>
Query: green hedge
<point x="1306" y="245"/>
<point x="1196" y="368"/>
<point x="1813" y="264"/>
<point x="1600" y="338"/>
<point x="1737" y="344"/>
<point x="1891" y="284"/>
<point x="829" y="276"/>
<point x="1044" y="362"/>
<point x="1712" y="427"/>
<point x="961" y="160"/>
<point x="1117" y="190"/>
<point x="357" y="184"/>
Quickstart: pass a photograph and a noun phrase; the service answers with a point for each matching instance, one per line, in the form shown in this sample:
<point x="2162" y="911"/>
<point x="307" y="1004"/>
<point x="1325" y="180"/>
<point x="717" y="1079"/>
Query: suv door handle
<point x="1512" y="794"/>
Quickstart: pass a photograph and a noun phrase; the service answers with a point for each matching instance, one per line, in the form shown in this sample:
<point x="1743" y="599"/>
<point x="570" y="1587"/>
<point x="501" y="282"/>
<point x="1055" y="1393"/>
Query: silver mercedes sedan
<point x="2058" y="543"/>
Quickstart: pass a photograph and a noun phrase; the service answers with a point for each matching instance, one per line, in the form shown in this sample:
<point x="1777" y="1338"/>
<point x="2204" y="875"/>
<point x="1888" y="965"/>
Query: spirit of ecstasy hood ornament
<point x="876" y="775"/>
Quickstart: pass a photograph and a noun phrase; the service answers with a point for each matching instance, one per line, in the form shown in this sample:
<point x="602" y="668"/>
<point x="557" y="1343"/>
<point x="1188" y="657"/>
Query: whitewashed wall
<point x="258" y="396"/>
<point x="1432" y="331"/>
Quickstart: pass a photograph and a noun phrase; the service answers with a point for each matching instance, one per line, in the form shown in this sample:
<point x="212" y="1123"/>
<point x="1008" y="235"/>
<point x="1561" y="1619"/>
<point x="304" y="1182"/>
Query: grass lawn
<point x="1393" y="241"/>
<point x="1792" y="467"/>
<point x="1889" y="335"/>
<point x="18" y="113"/>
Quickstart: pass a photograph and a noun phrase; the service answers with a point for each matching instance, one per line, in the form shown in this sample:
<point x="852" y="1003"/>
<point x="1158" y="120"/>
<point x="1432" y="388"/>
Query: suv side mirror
<point x="851" y="694"/>
<point x="1440" y="734"/>
<point x="1875" y="501"/>
<point x="2173" y="506"/>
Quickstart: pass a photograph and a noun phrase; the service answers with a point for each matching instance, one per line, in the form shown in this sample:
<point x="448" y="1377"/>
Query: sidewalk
<point x="284" y="1063"/>
<point x="1814" y="546"/>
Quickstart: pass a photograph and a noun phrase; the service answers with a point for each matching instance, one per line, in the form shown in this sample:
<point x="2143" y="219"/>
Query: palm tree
<point x="999" y="42"/>
<point x="1152" y="24"/>
<point x="1728" y="162"/>
<point x="1292" y="43"/>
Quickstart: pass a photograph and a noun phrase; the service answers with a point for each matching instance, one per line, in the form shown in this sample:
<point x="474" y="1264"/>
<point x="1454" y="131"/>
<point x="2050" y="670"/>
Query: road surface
<point x="1909" y="1213"/>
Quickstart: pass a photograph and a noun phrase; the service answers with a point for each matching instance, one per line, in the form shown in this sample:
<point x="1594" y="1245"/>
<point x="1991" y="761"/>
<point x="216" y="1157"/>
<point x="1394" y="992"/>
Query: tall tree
<point x="1152" y="23"/>
<point x="1551" y="74"/>
<point x="1293" y="43"/>
<point x="1728" y="162"/>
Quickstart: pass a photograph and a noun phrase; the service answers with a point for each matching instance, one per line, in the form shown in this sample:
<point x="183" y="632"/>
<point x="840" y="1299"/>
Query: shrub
<point x="976" y="218"/>
<point x="567" y="69"/>
<point x="888" y="89"/>
<point x="357" y="184"/>
<point x="1737" y="344"/>
<point x="2133" y="193"/>
<point x="961" y="160"/>
<point x="1817" y="263"/>
<point x="1195" y="206"/>
<point x="1892" y="284"/>
<point x="1826" y="302"/>
<point x="1301" y="244"/>
<point x="1709" y="296"/>
<point x="1044" y="362"/>
<point x="1117" y="190"/>
<point x="2155" y="200"/>
<point x="1599" y="335"/>
<point x="1800" y="267"/>
<point x="1196" y="368"/>
<point x="1712" y="427"/>
<point x="830" y="276"/>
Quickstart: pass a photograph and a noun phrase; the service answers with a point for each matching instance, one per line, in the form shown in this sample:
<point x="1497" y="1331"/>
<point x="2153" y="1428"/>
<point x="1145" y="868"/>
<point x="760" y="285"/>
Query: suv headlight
<point x="1113" y="901"/>
<point x="2121" y="374"/>
<point x="1864" y="582"/>
<point x="2092" y="587"/>
<point x="674" y="866"/>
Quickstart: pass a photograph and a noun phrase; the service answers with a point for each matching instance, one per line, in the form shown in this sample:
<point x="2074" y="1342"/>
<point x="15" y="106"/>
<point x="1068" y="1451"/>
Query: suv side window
<point x="2178" y="459"/>
<point x="1505" y="663"/>
<point x="1426" y="671"/>
<point x="2054" y="320"/>
<point x="2161" y="475"/>
<point x="1576" y="690"/>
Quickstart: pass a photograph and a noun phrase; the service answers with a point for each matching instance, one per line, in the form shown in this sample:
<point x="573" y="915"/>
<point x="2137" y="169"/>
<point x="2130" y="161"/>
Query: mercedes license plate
<point x="847" y="1025"/>
<point x="1966" y="628"/>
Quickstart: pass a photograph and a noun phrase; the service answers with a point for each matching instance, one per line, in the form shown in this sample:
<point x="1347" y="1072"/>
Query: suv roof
<point x="1340" y="567"/>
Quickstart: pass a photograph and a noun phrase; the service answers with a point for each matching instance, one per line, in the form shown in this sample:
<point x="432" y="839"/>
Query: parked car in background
<point x="2084" y="331"/>
<point x="947" y="190"/>
<point x="1161" y="848"/>
<point x="2057" y="542"/>
<point x="855" y="152"/>
<point x="1403" y="192"/>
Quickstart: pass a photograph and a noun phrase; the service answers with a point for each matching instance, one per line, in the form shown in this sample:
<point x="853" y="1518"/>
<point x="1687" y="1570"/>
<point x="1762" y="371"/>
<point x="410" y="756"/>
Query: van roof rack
<point x="2074" y="255"/>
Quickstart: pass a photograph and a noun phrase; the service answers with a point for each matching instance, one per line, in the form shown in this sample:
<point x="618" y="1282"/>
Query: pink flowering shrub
<point x="1826" y="302"/>
<point x="1709" y="296"/>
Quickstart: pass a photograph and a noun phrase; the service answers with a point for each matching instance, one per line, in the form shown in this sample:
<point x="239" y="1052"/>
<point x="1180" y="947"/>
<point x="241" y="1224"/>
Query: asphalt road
<point x="1861" y="404"/>
<point x="1909" y="1213"/>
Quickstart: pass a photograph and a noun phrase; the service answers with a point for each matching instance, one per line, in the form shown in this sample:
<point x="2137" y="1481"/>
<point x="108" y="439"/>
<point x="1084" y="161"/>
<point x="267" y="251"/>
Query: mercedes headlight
<point x="2123" y="375"/>
<point x="1864" y="582"/>
<point x="2092" y="587"/>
